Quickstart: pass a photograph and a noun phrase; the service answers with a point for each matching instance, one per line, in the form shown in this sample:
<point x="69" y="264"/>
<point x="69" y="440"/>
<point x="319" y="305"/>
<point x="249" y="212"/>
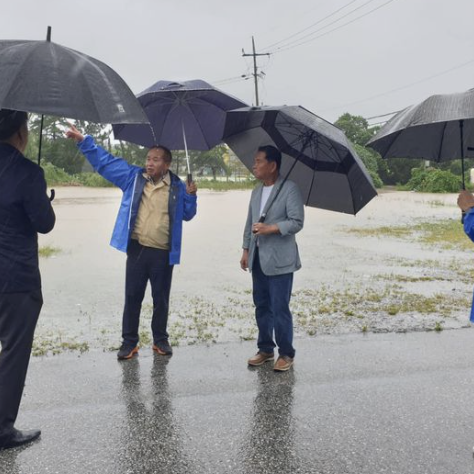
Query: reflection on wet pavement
<point x="269" y="444"/>
<point x="151" y="438"/>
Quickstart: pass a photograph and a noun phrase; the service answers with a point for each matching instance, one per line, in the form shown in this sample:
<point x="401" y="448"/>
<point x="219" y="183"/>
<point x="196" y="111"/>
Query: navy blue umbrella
<point x="182" y="115"/>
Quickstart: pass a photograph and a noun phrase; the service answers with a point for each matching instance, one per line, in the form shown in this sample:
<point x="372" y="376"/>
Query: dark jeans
<point x="271" y="295"/>
<point x="143" y="264"/>
<point x="18" y="317"/>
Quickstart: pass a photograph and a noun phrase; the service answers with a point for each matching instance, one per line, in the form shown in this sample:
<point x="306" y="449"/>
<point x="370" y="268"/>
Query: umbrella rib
<point x="200" y="128"/>
<point x="82" y="71"/>
<point x="442" y="141"/>
<point x="310" y="187"/>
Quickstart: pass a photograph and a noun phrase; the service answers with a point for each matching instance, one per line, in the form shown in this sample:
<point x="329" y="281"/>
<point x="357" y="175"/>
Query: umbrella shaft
<point x="186" y="150"/>
<point x="461" y="129"/>
<point x="40" y="139"/>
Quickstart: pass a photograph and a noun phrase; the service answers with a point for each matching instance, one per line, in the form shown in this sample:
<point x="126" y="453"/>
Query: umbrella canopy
<point x="316" y="154"/>
<point x="193" y="106"/>
<point x="438" y="129"/>
<point x="47" y="78"/>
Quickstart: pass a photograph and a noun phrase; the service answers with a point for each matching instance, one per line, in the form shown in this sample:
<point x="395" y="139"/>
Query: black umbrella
<point x="47" y="78"/>
<point x="182" y="115"/>
<point x="316" y="154"/>
<point x="437" y="129"/>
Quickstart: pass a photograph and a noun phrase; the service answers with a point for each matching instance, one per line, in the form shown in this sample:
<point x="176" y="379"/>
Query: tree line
<point x="64" y="163"/>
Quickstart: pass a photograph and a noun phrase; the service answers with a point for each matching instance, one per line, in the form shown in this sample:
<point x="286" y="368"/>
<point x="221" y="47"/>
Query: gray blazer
<point x="278" y="252"/>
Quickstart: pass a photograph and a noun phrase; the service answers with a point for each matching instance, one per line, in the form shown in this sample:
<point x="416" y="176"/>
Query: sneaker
<point x="283" y="364"/>
<point x="260" y="358"/>
<point x="126" y="352"/>
<point x="163" y="348"/>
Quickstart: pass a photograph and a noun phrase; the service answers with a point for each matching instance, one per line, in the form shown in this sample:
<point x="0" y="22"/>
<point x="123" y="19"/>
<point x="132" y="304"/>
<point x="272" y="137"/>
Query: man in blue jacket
<point x="149" y="229"/>
<point x="466" y="204"/>
<point x="25" y="210"/>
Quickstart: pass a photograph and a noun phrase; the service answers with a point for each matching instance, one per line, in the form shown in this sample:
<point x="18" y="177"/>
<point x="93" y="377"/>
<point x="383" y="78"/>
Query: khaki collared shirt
<point x="152" y="227"/>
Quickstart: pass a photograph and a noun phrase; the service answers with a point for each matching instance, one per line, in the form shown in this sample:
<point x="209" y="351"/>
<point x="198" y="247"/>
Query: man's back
<point x="24" y="211"/>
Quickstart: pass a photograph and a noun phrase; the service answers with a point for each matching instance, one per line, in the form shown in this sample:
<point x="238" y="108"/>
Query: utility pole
<point x="255" y="74"/>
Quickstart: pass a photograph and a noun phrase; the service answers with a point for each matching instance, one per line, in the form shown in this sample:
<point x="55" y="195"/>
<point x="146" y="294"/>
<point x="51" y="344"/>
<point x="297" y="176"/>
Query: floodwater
<point x="83" y="284"/>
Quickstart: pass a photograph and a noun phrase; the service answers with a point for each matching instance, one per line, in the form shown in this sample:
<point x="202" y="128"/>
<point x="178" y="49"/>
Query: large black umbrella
<point x="316" y="154"/>
<point x="182" y="115"/>
<point x="438" y="129"/>
<point x="47" y="78"/>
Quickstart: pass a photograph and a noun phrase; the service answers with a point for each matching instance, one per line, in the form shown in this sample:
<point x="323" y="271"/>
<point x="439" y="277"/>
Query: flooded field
<point x="393" y="267"/>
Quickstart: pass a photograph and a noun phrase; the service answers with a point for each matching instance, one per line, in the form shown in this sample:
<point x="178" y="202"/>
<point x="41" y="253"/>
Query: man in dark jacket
<point x="25" y="210"/>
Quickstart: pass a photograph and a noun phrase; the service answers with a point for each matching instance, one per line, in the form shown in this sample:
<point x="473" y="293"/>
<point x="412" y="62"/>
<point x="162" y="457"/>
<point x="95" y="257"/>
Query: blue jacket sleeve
<point x="190" y="205"/>
<point x="113" y="169"/>
<point x="469" y="224"/>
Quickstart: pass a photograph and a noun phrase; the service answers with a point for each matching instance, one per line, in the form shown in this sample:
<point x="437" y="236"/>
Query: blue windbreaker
<point x="129" y="178"/>
<point x="469" y="230"/>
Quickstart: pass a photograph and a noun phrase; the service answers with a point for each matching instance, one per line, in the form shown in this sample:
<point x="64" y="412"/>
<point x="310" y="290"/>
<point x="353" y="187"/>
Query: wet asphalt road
<point x="386" y="403"/>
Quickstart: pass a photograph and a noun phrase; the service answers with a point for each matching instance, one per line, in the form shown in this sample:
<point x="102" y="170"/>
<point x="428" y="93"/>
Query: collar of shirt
<point x="166" y="179"/>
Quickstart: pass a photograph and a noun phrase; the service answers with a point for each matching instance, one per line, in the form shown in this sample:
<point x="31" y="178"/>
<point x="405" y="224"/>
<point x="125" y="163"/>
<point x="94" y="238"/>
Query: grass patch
<point x="48" y="251"/>
<point x="448" y="234"/>
<point x="225" y="185"/>
<point x="311" y="307"/>
<point x="55" y="345"/>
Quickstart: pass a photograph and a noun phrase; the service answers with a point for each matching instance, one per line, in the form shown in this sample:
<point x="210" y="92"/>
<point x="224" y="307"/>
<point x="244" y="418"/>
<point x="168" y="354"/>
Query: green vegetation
<point x="54" y="345"/>
<point x="448" y="234"/>
<point x="47" y="251"/>
<point x="431" y="180"/>
<point x="93" y="180"/>
<point x="407" y="173"/>
<point x="56" y="176"/>
<point x="65" y="165"/>
<point x="226" y="185"/>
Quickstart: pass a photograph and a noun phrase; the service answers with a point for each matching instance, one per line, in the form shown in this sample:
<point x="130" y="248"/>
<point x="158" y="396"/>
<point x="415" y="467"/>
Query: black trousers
<point x="18" y="317"/>
<point x="146" y="264"/>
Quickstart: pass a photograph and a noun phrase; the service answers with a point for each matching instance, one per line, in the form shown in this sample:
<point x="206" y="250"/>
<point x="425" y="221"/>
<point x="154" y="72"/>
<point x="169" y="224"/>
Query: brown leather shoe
<point x="260" y="358"/>
<point x="283" y="364"/>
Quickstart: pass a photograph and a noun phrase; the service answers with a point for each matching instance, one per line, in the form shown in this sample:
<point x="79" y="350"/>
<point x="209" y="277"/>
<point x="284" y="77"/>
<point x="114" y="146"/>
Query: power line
<point x="310" y="26"/>
<point x="231" y="80"/>
<point x="383" y="115"/>
<point x="406" y="86"/>
<point x="292" y="46"/>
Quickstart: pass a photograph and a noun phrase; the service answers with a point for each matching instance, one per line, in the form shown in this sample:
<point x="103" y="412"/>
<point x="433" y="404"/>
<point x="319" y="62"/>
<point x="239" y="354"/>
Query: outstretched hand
<point x="74" y="133"/>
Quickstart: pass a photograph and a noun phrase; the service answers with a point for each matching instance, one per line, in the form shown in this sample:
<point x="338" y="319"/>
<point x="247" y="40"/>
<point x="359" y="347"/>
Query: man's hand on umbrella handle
<point x="74" y="133"/>
<point x="465" y="200"/>
<point x="244" y="261"/>
<point x="265" y="229"/>
<point x="191" y="187"/>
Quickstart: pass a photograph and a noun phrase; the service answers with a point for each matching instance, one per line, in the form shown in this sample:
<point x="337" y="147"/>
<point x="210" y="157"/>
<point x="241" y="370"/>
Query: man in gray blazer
<point x="270" y="252"/>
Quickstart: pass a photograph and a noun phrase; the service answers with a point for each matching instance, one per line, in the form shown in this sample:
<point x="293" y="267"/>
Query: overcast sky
<point x="387" y="59"/>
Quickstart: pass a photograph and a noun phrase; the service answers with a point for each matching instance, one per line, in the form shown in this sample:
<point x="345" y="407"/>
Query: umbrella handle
<point x="189" y="178"/>
<point x="53" y="195"/>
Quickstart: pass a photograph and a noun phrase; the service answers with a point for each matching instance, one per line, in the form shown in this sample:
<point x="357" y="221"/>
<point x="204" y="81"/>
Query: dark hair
<point x="10" y="122"/>
<point x="271" y="154"/>
<point x="167" y="152"/>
